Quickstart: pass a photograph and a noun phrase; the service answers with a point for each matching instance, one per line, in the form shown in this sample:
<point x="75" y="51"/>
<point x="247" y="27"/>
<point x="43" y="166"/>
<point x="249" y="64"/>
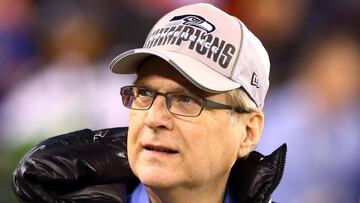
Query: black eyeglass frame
<point x="205" y="103"/>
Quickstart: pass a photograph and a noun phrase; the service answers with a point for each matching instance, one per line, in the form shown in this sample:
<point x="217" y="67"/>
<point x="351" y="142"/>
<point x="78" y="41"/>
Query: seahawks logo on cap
<point x="195" y="21"/>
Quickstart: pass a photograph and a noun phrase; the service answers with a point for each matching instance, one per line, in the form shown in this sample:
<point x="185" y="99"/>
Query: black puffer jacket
<point x="92" y="166"/>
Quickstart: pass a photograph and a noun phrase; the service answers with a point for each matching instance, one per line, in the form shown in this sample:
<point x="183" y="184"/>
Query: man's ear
<point x="254" y="124"/>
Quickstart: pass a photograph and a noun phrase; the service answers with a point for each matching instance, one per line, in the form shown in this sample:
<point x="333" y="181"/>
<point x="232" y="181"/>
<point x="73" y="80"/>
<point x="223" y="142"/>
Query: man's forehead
<point x="154" y="66"/>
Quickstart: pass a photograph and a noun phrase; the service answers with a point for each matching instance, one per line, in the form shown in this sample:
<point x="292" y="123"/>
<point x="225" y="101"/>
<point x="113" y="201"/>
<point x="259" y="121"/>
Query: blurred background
<point x="54" y="78"/>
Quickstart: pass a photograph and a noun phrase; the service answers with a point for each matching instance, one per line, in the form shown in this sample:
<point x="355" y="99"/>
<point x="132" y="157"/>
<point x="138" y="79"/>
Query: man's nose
<point x="158" y="115"/>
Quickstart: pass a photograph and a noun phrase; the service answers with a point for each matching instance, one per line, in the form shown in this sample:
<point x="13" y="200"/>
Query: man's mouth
<point x="160" y="149"/>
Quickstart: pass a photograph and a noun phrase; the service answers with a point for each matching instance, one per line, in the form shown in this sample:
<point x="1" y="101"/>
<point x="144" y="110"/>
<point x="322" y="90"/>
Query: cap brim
<point x="196" y="72"/>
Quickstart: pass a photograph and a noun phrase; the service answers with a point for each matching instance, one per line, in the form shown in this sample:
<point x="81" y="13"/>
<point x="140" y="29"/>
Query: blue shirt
<point x="139" y="195"/>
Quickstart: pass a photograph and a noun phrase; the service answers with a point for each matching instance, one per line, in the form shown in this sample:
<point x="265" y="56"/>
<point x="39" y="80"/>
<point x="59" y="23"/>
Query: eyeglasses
<point x="177" y="103"/>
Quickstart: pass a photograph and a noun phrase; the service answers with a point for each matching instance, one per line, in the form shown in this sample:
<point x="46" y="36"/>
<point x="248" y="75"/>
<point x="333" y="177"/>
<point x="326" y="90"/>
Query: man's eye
<point x="185" y="99"/>
<point x="144" y="93"/>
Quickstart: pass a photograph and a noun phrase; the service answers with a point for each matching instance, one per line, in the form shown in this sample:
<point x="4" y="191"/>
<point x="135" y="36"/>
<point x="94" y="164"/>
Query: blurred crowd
<point x="54" y="78"/>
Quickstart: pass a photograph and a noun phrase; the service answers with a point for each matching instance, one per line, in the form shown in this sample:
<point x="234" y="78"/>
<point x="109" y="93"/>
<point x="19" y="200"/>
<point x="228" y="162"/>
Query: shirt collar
<point x="139" y="195"/>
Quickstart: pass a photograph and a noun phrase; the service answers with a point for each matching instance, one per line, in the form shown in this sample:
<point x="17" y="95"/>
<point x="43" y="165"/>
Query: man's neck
<point x="212" y="194"/>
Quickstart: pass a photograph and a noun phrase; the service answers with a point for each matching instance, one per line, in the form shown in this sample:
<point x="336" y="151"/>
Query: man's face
<point x="167" y="151"/>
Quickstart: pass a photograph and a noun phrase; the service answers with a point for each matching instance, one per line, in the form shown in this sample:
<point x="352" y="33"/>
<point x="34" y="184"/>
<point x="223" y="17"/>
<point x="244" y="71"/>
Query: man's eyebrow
<point x="180" y="89"/>
<point x="176" y="89"/>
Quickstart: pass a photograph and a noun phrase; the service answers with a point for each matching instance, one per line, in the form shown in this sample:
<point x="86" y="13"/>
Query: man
<point x="195" y="116"/>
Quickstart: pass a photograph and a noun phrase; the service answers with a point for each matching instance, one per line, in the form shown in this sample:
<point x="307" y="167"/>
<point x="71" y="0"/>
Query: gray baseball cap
<point x="212" y="49"/>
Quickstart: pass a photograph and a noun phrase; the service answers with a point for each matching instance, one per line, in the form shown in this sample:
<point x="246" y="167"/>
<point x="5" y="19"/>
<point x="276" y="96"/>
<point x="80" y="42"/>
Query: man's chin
<point x="157" y="178"/>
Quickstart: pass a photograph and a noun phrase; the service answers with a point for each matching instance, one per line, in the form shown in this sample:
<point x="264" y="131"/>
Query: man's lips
<point x="162" y="149"/>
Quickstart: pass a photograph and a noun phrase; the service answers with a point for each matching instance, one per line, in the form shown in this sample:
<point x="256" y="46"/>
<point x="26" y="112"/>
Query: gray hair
<point x="238" y="97"/>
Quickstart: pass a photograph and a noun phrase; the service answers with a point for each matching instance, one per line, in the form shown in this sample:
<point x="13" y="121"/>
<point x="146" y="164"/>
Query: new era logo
<point x="255" y="80"/>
